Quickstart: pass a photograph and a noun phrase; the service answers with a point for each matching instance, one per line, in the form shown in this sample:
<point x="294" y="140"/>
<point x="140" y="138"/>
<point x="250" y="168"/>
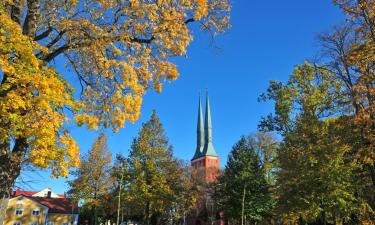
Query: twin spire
<point x="204" y="134"/>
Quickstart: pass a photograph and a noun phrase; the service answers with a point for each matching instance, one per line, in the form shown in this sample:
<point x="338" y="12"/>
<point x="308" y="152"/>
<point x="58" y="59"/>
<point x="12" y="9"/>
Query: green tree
<point x="92" y="180"/>
<point x="266" y="145"/>
<point x="159" y="187"/>
<point x="346" y="52"/>
<point x="315" y="178"/>
<point x="242" y="191"/>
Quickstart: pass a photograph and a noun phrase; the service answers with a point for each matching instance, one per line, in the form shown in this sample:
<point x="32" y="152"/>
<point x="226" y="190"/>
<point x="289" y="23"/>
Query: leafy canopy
<point x="116" y="49"/>
<point x="315" y="177"/>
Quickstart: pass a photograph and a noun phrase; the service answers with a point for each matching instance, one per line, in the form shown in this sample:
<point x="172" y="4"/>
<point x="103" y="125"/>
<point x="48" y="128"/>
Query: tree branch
<point x="15" y="11"/>
<point x="189" y="20"/>
<point x="141" y="40"/>
<point x="56" y="39"/>
<point x="47" y="58"/>
<point x="43" y="35"/>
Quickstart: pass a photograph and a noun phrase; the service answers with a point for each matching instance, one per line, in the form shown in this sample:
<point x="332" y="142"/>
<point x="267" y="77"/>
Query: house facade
<point x="40" y="208"/>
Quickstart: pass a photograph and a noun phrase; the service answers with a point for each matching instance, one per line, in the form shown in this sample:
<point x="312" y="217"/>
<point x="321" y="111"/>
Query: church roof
<point x="209" y="149"/>
<point x="200" y="132"/>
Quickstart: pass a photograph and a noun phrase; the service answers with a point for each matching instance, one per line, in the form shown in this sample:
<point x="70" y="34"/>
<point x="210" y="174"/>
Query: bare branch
<point x="49" y="57"/>
<point x="43" y="35"/>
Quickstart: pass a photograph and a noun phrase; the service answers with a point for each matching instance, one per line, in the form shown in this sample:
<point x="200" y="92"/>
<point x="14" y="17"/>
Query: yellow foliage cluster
<point x="32" y="97"/>
<point x="117" y="49"/>
<point x="361" y="56"/>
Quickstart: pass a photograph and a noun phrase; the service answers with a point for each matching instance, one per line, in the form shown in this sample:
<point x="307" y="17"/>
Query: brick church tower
<point x="206" y="164"/>
<point x="205" y="158"/>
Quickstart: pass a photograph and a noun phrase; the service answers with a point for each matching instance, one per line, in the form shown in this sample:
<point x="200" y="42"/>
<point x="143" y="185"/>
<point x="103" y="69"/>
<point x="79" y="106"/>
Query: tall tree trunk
<point x="95" y="215"/>
<point x="147" y="214"/>
<point x="32" y="18"/>
<point x="243" y="205"/>
<point x="95" y="209"/>
<point x="10" y="167"/>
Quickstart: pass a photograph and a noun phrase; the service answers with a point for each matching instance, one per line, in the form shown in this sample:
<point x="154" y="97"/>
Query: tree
<point x="350" y="50"/>
<point x="265" y="146"/>
<point x="92" y="181"/>
<point x="159" y="188"/>
<point x="117" y="50"/>
<point x="348" y="54"/>
<point x="186" y="194"/>
<point x="315" y="177"/>
<point x="242" y="190"/>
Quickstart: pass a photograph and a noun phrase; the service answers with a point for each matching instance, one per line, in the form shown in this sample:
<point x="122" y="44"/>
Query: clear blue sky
<point x="266" y="40"/>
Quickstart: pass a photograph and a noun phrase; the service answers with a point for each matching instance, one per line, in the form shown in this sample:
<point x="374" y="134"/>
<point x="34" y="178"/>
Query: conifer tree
<point x="158" y="187"/>
<point x="242" y="191"/>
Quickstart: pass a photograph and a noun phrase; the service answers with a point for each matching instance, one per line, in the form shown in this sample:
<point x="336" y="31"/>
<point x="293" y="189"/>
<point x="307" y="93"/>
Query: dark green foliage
<point x="244" y="179"/>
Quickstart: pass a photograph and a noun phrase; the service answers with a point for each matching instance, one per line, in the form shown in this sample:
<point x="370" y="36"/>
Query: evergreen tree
<point x="158" y="188"/>
<point x="242" y="190"/>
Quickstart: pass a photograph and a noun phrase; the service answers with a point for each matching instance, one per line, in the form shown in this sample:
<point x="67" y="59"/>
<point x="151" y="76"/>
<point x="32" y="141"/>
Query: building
<point x="40" y="208"/>
<point x="205" y="158"/>
<point x="206" y="163"/>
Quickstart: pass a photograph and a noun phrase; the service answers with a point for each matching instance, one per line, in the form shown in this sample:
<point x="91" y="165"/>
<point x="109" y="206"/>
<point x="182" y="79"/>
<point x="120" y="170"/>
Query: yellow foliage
<point x="117" y="49"/>
<point x="31" y="102"/>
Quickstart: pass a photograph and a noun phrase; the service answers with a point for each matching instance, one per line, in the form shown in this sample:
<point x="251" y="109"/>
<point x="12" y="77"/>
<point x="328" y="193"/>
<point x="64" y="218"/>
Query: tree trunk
<point x="243" y="204"/>
<point x="10" y="161"/>
<point x="3" y="208"/>
<point x="10" y="167"/>
<point x="147" y="214"/>
<point x="32" y="18"/>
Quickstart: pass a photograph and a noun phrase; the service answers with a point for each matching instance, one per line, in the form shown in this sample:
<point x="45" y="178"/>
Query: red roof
<point x="58" y="205"/>
<point x="24" y="193"/>
<point x="61" y="205"/>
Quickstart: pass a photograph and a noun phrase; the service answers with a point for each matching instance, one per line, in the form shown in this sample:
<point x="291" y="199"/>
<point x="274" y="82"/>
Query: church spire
<point x="209" y="149"/>
<point x="200" y="132"/>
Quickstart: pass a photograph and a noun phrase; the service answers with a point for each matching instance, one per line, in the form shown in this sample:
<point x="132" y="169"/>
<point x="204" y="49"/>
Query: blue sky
<point x="267" y="39"/>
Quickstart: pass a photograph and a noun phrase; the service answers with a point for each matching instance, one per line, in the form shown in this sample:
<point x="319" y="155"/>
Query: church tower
<point x="205" y="158"/>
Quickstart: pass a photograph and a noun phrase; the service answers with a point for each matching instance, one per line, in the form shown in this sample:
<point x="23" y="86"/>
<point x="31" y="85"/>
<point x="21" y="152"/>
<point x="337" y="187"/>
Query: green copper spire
<point x="209" y="149"/>
<point x="200" y="132"/>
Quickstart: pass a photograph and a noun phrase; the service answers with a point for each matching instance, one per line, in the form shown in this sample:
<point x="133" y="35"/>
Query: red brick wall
<point x="211" y="166"/>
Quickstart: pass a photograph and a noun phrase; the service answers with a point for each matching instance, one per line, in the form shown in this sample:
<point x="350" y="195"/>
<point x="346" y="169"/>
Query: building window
<point x="18" y="212"/>
<point x="17" y="223"/>
<point x="35" y="212"/>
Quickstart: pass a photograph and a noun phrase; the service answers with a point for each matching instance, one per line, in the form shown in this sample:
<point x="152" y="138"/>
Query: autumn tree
<point x="160" y="188"/>
<point x="117" y="50"/>
<point x="349" y="53"/>
<point x="242" y="191"/>
<point x="266" y="147"/>
<point x="120" y="201"/>
<point x="315" y="177"/>
<point x="92" y="182"/>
